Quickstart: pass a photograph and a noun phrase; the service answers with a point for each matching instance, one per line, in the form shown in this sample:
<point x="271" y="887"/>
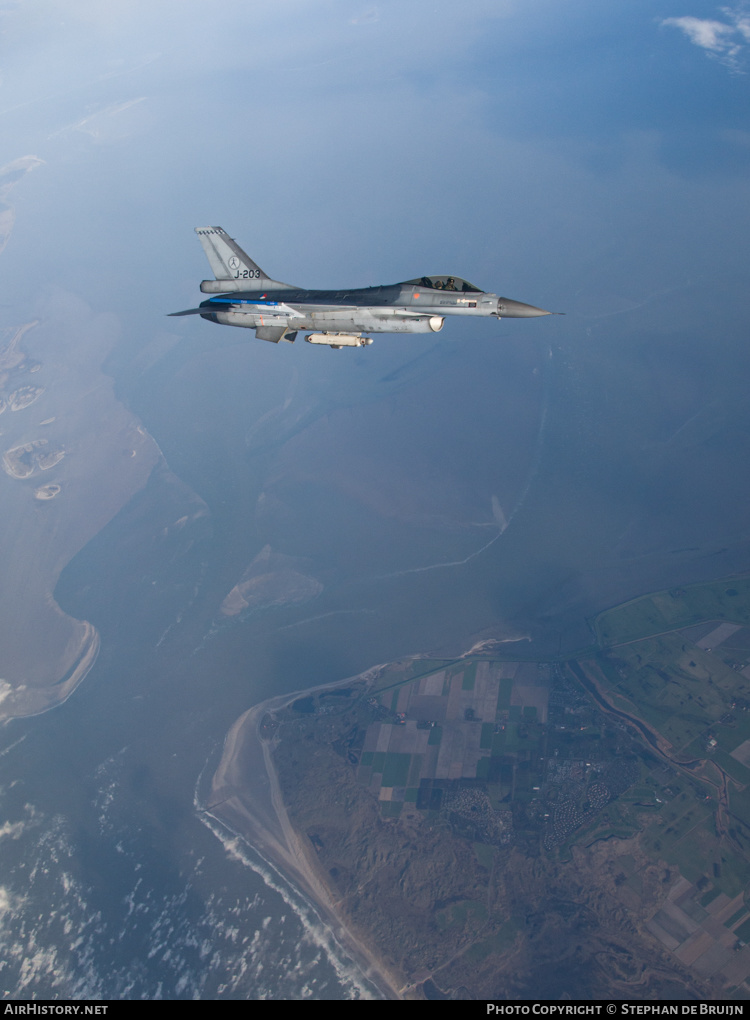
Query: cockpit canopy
<point x="443" y="283"/>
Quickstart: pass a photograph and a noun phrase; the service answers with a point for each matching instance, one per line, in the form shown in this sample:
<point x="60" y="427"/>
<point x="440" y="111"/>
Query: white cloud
<point x="711" y="35"/>
<point x="723" y="39"/>
<point x="743" y="26"/>
<point x="12" y="829"/>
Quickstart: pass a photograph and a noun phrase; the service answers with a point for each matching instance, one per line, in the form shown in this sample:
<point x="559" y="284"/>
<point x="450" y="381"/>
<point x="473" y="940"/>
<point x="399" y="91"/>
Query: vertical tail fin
<point x="232" y="267"/>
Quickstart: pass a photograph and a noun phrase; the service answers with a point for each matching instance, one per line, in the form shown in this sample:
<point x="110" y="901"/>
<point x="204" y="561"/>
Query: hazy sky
<point x="516" y="144"/>
<point x="587" y="159"/>
<point x="583" y="157"/>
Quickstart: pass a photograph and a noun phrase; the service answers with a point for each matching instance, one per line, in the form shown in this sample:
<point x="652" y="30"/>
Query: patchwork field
<point x="438" y="796"/>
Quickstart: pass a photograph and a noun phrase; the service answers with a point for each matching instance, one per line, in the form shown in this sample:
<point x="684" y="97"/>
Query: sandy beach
<point x="245" y="796"/>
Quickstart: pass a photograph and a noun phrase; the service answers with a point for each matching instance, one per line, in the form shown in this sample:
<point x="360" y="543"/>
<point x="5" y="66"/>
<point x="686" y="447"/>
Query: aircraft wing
<point x="272" y="309"/>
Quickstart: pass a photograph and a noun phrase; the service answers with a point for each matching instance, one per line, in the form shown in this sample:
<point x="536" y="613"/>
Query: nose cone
<point x="508" y="309"/>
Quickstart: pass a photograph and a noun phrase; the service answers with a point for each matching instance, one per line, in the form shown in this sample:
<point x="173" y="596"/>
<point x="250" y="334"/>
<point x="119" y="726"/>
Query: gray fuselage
<point x="411" y="307"/>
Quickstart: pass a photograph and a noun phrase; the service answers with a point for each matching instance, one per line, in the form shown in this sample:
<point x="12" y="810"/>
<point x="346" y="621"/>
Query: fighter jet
<point x="246" y="296"/>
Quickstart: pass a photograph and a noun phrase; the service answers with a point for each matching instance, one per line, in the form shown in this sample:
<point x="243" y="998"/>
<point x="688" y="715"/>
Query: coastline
<point x="24" y="700"/>
<point x="91" y="459"/>
<point x="257" y="815"/>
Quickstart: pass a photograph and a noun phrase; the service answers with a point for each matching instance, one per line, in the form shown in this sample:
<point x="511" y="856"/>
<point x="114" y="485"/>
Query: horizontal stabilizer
<point x="191" y="311"/>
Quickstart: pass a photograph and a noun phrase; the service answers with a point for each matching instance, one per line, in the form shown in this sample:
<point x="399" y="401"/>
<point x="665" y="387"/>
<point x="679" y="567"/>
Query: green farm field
<point x="673" y="609"/>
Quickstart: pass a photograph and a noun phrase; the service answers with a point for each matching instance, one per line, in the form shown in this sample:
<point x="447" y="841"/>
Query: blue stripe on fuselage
<point x="238" y="301"/>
